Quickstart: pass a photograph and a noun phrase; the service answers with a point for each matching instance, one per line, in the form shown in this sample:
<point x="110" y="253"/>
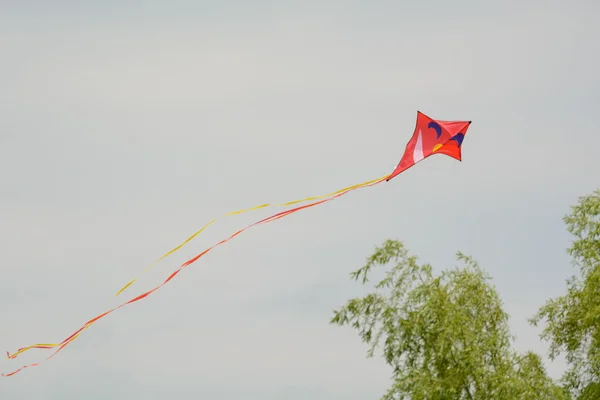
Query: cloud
<point x="124" y="129"/>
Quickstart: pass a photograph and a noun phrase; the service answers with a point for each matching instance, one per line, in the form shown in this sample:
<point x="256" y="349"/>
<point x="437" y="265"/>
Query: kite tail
<point x="289" y="203"/>
<point x="89" y="323"/>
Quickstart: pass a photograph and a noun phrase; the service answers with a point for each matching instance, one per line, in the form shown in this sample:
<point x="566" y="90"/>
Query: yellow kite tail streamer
<point x="289" y="203"/>
<point x="89" y="323"/>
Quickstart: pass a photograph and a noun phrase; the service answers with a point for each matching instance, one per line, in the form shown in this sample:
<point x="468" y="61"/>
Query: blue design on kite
<point x="459" y="138"/>
<point x="437" y="127"/>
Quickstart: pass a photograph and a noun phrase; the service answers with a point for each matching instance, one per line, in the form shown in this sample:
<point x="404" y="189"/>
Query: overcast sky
<point x="125" y="126"/>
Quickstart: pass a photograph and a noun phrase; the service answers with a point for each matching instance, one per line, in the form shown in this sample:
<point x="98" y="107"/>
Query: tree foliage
<point x="573" y="320"/>
<point x="446" y="337"/>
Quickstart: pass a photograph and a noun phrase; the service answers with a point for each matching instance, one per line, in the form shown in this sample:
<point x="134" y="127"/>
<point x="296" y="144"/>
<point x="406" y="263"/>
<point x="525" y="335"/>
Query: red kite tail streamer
<point x="89" y="323"/>
<point x="289" y="203"/>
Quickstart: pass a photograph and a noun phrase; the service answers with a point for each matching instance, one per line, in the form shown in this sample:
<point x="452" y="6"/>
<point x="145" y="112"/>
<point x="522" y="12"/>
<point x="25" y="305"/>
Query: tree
<point x="446" y="337"/>
<point x="573" y="320"/>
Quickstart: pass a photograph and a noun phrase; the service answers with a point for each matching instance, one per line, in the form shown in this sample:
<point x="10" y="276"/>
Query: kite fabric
<point x="430" y="137"/>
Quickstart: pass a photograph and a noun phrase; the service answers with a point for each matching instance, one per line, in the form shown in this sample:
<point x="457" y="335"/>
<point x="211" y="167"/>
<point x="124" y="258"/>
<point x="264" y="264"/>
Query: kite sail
<point x="430" y="137"/>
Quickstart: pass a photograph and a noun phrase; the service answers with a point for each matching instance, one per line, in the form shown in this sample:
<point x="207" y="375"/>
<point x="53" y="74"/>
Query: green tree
<point x="446" y="337"/>
<point x="573" y="320"/>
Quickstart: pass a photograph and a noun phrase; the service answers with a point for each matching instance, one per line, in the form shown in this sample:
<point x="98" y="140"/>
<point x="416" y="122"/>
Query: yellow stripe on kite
<point x="289" y="203"/>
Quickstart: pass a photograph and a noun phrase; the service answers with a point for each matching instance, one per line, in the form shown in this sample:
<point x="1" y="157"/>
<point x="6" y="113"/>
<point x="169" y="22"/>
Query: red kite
<point x="430" y="137"/>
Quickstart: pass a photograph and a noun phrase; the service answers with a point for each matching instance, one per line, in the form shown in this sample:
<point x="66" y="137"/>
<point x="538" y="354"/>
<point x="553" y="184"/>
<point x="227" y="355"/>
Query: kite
<point x="429" y="137"/>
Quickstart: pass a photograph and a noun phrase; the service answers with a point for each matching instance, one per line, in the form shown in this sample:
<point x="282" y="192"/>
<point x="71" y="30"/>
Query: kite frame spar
<point x="448" y="141"/>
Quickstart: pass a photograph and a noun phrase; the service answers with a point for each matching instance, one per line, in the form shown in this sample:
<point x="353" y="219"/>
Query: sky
<point x="125" y="126"/>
